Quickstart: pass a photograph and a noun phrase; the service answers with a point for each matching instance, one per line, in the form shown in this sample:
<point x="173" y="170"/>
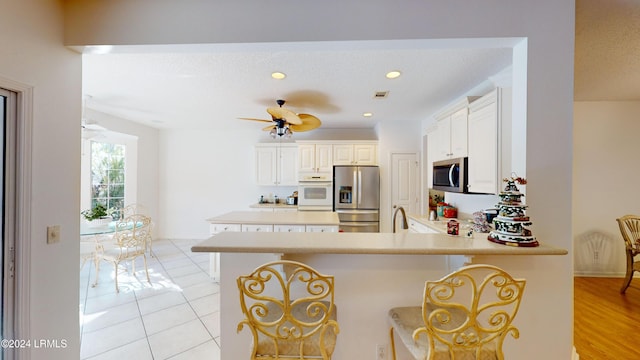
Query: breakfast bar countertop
<point x="364" y="243"/>
<point x="328" y="218"/>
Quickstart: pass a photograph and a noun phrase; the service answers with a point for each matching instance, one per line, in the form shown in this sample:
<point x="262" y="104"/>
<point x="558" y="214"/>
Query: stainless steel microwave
<point x="450" y="175"/>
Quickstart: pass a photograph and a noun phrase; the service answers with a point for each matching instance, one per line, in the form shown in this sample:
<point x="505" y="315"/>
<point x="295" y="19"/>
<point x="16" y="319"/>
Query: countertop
<point x="363" y="243"/>
<point x="439" y="225"/>
<point x="273" y="206"/>
<point x="278" y="218"/>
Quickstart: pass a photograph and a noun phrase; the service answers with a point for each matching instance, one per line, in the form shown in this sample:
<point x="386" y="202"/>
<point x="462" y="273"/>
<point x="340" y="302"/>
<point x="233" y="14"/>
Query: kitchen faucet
<point x="404" y="217"/>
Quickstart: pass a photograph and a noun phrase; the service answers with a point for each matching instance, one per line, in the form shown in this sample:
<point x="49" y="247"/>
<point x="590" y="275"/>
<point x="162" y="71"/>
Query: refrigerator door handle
<point x="359" y="187"/>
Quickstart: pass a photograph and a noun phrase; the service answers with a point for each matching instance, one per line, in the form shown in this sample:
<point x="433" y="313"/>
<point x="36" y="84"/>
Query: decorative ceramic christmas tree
<point x="510" y="224"/>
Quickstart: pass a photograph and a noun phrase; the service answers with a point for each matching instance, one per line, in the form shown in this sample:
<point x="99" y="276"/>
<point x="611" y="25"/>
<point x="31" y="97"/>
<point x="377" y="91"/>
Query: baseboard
<point x="598" y="274"/>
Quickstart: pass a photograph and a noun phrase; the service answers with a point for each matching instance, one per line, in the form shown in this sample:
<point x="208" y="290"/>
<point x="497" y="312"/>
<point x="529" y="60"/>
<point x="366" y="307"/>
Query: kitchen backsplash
<point x="467" y="204"/>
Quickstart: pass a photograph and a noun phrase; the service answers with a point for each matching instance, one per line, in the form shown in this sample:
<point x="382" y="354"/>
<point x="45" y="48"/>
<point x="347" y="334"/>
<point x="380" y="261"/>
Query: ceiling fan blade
<point x="252" y="119"/>
<point x="284" y="114"/>
<point x="269" y="128"/>
<point x="309" y="122"/>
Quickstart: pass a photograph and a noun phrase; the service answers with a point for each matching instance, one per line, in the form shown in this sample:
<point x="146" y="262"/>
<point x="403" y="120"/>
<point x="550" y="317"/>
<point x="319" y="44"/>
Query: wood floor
<point x="606" y="323"/>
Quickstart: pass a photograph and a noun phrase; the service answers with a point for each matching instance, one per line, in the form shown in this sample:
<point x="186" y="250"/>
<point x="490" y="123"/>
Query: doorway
<point x="8" y="117"/>
<point x="404" y="182"/>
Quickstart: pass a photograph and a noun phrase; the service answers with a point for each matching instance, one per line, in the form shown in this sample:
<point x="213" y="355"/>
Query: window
<point x="107" y="174"/>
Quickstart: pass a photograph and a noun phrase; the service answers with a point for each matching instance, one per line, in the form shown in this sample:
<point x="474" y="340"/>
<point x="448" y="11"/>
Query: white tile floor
<point x="177" y="316"/>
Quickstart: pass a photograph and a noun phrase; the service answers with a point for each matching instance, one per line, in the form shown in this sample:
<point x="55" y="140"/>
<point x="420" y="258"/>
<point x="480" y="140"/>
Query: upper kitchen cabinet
<point x="315" y="157"/>
<point x="451" y="131"/>
<point x="488" y="117"/>
<point x="432" y="141"/>
<point x="277" y="164"/>
<point x="355" y="153"/>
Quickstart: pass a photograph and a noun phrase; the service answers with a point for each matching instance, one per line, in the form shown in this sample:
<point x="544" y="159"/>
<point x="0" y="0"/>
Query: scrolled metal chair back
<point x="289" y="308"/>
<point x="471" y="311"/>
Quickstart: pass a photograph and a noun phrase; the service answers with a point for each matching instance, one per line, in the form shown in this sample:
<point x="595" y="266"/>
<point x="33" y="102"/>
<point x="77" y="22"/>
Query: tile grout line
<point x="137" y="299"/>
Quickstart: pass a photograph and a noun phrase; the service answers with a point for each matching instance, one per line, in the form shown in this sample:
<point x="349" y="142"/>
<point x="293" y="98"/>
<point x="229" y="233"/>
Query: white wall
<point x="543" y="96"/>
<point x="147" y="162"/>
<point x="31" y="53"/>
<point x="605" y="174"/>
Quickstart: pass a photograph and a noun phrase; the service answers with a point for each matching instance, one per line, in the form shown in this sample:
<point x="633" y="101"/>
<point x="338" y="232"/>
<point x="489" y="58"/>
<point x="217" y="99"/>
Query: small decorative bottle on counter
<point x="453" y="227"/>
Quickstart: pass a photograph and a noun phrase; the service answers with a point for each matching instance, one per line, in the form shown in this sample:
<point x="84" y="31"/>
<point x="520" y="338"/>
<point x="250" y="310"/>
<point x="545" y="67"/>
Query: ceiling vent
<point x="381" y="95"/>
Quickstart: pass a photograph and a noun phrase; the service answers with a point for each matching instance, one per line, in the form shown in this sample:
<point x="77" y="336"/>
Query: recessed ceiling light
<point x="367" y="114"/>
<point x="278" y="75"/>
<point x="393" y="74"/>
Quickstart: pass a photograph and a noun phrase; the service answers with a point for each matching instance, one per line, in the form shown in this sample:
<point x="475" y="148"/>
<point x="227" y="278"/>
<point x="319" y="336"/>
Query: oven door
<point x="315" y="195"/>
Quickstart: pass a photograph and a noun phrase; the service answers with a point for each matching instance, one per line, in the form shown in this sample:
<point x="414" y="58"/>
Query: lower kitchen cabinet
<point x="288" y="228"/>
<point x="257" y="228"/>
<point x="214" y="258"/>
<point x="416" y="227"/>
<point x="320" y="228"/>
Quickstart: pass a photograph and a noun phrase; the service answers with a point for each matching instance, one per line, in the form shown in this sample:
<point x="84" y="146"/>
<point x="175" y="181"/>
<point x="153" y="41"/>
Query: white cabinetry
<point x="288" y="228"/>
<point x="451" y="131"/>
<point x="257" y="228"/>
<point x="315" y="157"/>
<point x="432" y="141"/>
<point x="486" y="116"/>
<point x="416" y="227"/>
<point x="277" y="164"/>
<point x="355" y="154"/>
<point x="321" y="228"/>
<point x="214" y="258"/>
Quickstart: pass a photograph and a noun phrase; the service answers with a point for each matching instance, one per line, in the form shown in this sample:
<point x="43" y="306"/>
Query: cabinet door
<point x="321" y="228"/>
<point x="432" y="140"/>
<point x="266" y="165"/>
<point x="365" y="154"/>
<point x="459" y="136"/>
<point x="342" y="154"/>
<point x="483" y="149"/>
<point x="324" y="158"/>
<point x="287" y="172"/>
<point x="307" y="158"/>
<point x="214" y="258"/>
<point x="443" y="139"/>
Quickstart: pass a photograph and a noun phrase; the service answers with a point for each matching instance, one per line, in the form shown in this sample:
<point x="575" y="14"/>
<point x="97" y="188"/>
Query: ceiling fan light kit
<point x="287" y="121"/>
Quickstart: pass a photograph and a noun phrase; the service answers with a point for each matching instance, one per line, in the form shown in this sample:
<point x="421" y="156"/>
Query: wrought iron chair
<point x="133" y="209"/>
<point x="129" y="242"/>
<point x="465" y="315"/>
<point x="630" y="230"/>
<point x="289" y="309"/>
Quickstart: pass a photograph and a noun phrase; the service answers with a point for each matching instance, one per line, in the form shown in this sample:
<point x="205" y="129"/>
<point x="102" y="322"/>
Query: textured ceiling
<point x="208" y="85"/>
<point x="607" y="50"/>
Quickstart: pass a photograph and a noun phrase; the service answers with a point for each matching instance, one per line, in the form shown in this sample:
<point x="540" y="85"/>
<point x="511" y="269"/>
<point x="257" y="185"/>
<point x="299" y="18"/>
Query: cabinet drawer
<point x="257" y="228"/>
<point x="321" y="228"/>
<point x="218" y="228"/>
<point x="416" y="227"/>
<point x="288" y="228"/>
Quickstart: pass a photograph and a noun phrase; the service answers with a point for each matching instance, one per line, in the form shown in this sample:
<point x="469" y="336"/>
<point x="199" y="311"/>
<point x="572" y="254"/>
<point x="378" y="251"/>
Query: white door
<point x="9" y="185"/>
<point x="404" y="184"/>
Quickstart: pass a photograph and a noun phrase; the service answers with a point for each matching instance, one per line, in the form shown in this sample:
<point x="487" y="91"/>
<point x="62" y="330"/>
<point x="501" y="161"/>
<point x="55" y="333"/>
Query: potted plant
<point x="98" y="215"/>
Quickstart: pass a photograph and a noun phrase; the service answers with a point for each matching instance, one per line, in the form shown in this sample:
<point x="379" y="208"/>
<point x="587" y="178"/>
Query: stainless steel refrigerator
<point x="356" y="198"/>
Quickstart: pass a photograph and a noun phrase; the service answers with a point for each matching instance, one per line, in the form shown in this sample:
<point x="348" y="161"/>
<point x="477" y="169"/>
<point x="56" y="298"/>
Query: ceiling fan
<point x="90" y="129"/>
<point x="286" y="121"/>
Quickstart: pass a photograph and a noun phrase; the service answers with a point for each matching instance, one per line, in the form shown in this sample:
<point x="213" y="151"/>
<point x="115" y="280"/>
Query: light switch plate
<point x="53" y="234"/>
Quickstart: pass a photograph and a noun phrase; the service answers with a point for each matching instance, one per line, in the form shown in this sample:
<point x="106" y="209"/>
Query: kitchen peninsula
<point x="374" y="272"/>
